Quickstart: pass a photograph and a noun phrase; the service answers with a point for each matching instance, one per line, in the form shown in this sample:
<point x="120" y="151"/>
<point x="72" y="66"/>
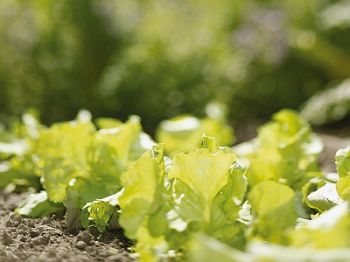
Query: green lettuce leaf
<point x="342" y="161"/>
<point x="207" y="249"/>
<point x="327" y="230"/>
<point x="285" y="150"/>
<point x="203" y="248"/>
<point x="208" y="188"/>
<point x="62" y="156"/>
<point x="18" y="149"/>
<point x="274" y="210"/>
<point x="101" y="213"/>
<point x="107" y="157"/>
<point x="19" y="172"/>
<point x="143" y="204"/>
<point x="106" y="123"/>
<point x="263" y="251"/>
<point x="324" y="197"/>
<point x="184" y="133"/>
<point x="38" y="205"/>
<point x="75" y="150"/>
<point x="343" y="187"/>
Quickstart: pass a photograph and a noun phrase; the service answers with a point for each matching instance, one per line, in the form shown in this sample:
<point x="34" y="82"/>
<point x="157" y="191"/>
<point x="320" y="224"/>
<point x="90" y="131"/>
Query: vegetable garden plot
<point x="188" y="197"/>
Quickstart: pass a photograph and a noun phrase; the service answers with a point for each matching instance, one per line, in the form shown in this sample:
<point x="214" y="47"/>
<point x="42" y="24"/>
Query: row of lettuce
<point x="189" y="196"/>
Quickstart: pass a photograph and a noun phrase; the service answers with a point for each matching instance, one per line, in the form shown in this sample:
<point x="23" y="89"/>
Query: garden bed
<point x="48" y="239"/>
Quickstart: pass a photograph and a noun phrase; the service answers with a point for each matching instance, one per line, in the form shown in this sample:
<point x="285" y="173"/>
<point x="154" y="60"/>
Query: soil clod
<point x="6" y="239"/>
<point x="81" y="245"/>
<point x="84" y="236"/>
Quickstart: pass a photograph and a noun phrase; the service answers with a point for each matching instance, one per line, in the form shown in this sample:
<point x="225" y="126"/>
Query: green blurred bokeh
<point x="160" y="58"/>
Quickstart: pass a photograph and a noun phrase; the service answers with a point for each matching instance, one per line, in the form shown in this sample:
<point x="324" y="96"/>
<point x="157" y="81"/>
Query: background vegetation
<point x="160" y="58"/>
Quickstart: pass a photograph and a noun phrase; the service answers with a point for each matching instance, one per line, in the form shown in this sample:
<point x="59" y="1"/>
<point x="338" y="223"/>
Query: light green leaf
<point x="107" y="123"/>
<point x="203" y="248"/>
<point x="62" y="156"/>
<point x="100" y="212"/>
<point x="75" y="150"/>
<point x="209" y="185"/>
<point x="328" y="230"/>
<point x="143" y="204"/>
<point x="343" y="187"/>
<point x="18" y="147"/>
<point x="123" y="139"/>
<point x="324" y="198"/>
<point x="18" y="172"/>
<point x="267" y="196"/>
<point x="143" y="183"/>
<point x="263" y="251"/>
<point x="284" y="151"/>
<point x="38" y="205"/>
<point x="184" y="133"/>
<point x="273" y="206"/>
<point x="342" y="161"/>
<point x="204" y="173"/>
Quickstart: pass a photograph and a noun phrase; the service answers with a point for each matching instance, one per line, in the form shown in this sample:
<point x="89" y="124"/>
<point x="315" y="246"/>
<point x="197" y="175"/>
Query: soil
<point x="331" y="145"/>
<point x="48" y="239"/>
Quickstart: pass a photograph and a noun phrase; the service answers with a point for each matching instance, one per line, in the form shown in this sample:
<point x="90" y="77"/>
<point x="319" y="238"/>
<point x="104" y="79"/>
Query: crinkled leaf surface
<point x="208" y="186"/>
<point x="143" y="204"/>
<point x="284" y="150"/>
<point x="184" y="133"/>
<point x="328" y="230"/>
<point x="273" y="206"/>
<point x="100" y="212"/>
<point x="62" y="156"/>
<point x="143" y="183"/>
<point x="18" y="148"/>
<point x="342" y="161"/>
<point x="106" y="159"/>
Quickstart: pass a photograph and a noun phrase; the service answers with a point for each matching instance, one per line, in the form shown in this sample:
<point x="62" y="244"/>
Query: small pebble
<point x="90" y="249"/>
<point x="45" y="239"/>
<point x="104" y="253"/>
<point x="84" y="236"/>
<point x="41" y="240"/>
<point x="81" y="245"/>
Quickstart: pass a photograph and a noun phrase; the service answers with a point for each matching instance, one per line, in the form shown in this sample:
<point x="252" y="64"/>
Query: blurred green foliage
<point x="160" y="58"/>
